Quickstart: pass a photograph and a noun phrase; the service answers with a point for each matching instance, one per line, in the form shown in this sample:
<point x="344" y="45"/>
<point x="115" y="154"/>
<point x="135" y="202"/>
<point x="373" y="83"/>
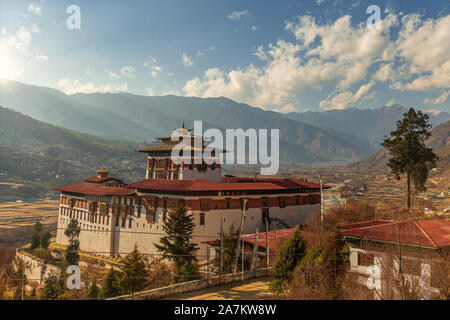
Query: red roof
<point x="95" y="189"/>
<point x="364" y="224"/>
<point x="282" y="235"/>
<point x="228" y="184"/>
<point x="433" y="233"/>
<point x="98" y="179"/>
<point x="285" y="182"/>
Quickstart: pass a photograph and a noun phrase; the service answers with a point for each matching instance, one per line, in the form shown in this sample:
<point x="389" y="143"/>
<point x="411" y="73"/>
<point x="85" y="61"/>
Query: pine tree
<point x="93" y="291"/>
<point x="134" y="272"/>
<point x="110" y="287"/>
<point x="406" y="145"/>
<point x="72" y="232"/>
<point x="176" y="243"/>
<point x="291" y="252"/>
<point x="229" y="251"/>
<point x="335" y="260"/>
<point x="45" y="239"/>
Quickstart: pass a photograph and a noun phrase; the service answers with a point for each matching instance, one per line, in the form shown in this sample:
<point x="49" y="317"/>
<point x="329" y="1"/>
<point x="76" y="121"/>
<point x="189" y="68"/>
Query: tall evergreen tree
<point x="110" y="287"/>
<point x="291" y="253"/>
<point x="93" y="291"/>
<point x="45" y="239"/>
<point x="72" y="233"/>
<point x="176" y="243"/>
<point x="36" y="238"/>
<point x="406" y="145"/>
<point x="335" y="260"/>
<point x="134" y="272"/>
<point x="229" y="251"/>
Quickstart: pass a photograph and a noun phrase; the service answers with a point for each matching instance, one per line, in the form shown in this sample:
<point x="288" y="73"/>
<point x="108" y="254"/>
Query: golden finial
<point x="182" y="125"/>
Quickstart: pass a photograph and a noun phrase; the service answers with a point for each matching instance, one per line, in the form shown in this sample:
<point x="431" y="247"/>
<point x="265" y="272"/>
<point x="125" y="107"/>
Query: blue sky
<point x="279" y="55"/>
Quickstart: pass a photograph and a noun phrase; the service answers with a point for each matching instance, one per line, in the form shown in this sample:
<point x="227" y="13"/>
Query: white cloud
<point x="254" y="28"/>
<point x="441" y="99"/>
<point x="186" y="60"/>
<point x="425" y="45"/>
<point x="41" y="57"/>
<point x="286" y="109"/>
<point x="35" y="29"/>
<point x="171" y="74"/>
<point x="112" y="75"/>
<point x="3" y="31"/>
<point x="212" y="48"/>
<point x="155" y="71"/>
<point x="236" y="15"/>
<point x="200" y="53"/>
<point x="70" y="86"/>
<point x="127" y="71"/>
<point x="319" y="2"/>
<point x="33" y="8"/>
<point x="390" y="103"/>
<point x="20" y="40"/>
<point x="337" y="52"/>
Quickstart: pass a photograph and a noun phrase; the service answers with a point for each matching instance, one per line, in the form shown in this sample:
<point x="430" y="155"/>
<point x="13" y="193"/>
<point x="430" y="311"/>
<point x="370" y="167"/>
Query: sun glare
<point x="8" y="68"/>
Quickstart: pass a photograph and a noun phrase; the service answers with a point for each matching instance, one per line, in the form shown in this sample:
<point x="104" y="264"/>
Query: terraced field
<point x="17" y="220"/>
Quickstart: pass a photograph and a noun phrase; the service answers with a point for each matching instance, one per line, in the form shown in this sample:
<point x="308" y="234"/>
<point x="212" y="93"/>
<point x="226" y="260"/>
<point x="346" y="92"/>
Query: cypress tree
<point x="291" y="252"/>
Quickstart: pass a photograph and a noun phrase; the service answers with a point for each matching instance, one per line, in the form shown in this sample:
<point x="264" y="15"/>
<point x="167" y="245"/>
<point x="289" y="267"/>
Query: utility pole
<point x="221" y="249"/>
<point x="255" y="251"/>
<point x="275" y="253"/>
<point x="207" y="260"/>
<point x="239" y="236"/>
<point x="321" y="199"/>
<point x="242" y="261"/>
<point x="267" y="243"/>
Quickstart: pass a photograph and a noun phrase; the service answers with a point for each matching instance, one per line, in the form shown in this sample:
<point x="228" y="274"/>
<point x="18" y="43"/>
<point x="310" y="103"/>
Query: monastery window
<point x="282" y="201"/>
<point x="205" y="204"/>
<point x="311" y="199"/>
<point x="129" y="223"/>
<point x="228" y="200"/>
<point x="265" y="202"/>
<point x="297" y="200"/>
<point x="117" y="221"/>
<point x="165" y="203"/>
<point x="265" y="214"/>
<point x="174" y="204"/>
<point x="365" y="259"/>
<point x="164" y="215"/>
<point x="123" y="223"/>
<point x="191" y="167"/>
<point x="202" y="218"/>
<point x="213" y="166"/>
<point x="107" y="220"/>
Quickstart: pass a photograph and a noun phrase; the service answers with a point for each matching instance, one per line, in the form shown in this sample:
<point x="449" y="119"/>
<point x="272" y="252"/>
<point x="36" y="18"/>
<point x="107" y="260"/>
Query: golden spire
<point x="102" y="172"/>
<point x="182" y="125"/>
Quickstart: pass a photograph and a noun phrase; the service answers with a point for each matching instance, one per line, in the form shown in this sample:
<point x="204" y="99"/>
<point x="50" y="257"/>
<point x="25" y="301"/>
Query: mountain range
<point x="341" y="136"/>
<point x="439" y="141"/>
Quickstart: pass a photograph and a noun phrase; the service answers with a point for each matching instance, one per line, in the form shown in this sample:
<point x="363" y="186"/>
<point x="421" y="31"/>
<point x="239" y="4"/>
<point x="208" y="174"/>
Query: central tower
<point x="161" y="166"/>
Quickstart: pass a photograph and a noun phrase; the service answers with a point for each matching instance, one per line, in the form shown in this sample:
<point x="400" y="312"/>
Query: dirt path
<point x="254" y="289"/>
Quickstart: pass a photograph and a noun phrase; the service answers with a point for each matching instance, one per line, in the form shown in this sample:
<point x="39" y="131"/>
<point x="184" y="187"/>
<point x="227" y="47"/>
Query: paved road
<point x="254" y="289"/>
